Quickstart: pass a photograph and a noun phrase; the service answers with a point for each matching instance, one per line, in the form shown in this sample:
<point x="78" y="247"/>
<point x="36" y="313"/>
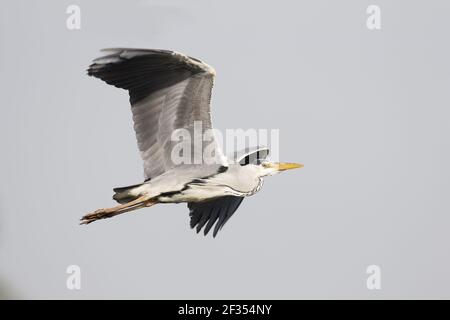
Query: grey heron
<point x="168" y="91"/>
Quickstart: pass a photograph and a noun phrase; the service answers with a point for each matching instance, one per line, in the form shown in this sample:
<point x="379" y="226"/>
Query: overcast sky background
<point x="367" y="112"/>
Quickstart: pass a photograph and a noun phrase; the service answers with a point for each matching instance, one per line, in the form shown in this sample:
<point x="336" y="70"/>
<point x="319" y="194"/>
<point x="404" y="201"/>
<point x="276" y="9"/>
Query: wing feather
<point x="168" y="91"/>
<point x="216" y="211"/>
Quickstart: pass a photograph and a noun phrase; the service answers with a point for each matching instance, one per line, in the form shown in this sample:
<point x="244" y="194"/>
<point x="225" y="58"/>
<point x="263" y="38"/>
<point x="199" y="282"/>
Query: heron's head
<point x="270" y="168"/>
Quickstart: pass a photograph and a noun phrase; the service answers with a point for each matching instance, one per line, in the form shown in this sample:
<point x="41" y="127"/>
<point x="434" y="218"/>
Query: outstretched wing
<point x="209" y="212"/>
<point x="168" y="91"/>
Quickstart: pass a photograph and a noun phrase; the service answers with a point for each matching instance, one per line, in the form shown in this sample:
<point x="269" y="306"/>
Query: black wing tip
<point x="118" y="55"/>
<point x="205" y="230"/>
<point x="213" y="213"/>
<point x="90" y="71"/>
<point x="144" y="71"/>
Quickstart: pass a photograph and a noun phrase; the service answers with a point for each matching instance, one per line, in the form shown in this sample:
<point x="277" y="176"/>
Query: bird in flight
<point x="171" y="91"/>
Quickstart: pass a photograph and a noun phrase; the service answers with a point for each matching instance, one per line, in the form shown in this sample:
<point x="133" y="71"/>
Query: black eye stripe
<point x="255" y="158"/>
<point x="247" y="161"/>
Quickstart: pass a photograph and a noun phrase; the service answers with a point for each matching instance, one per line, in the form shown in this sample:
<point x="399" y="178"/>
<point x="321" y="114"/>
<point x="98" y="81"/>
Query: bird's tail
<point x="126" y="194"/>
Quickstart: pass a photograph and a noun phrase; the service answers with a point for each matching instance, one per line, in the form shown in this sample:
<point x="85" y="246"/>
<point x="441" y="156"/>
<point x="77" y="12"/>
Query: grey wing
<point x="168" y="91"/>
<point x="206" y="214"/>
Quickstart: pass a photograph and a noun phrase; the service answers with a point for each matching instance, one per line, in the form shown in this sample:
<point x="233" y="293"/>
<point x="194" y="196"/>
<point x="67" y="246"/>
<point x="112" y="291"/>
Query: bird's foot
<point x="96" y="215"/>
<point x="111" y="212"/>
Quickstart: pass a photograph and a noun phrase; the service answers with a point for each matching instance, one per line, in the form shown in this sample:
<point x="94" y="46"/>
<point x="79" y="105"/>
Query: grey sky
<point x="365" y="111"/>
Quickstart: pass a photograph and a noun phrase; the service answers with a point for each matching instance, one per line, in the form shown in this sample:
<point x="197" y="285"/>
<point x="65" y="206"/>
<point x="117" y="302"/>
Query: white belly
<point x="185" y="186"/>
<point x="198" y="192"/>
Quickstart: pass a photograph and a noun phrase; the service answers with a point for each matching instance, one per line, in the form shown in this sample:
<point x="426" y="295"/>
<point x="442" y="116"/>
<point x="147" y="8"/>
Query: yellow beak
<point x="282" y="166"/>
